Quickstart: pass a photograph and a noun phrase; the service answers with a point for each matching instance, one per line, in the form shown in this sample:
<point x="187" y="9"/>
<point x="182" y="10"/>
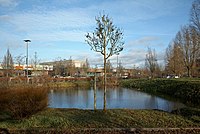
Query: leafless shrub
<point x="23" y="101"/>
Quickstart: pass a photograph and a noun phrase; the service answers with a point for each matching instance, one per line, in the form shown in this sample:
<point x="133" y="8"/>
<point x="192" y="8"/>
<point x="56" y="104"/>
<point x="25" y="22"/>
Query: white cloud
<point x="137" y="57"/>
<point x="69" y="25"/>
<point x="143" y="41"/>
<point x="124" y="11"/>
<point x="134" y="57"/>
<point x="8" y="3"/>
<point x="5" y="18"/>
<point x="56" y="24"/>
<point x="51" y="20"/>
<point x="75" y="36"/>
<point x="52" y="24"/>
<point x="9" y="40"/>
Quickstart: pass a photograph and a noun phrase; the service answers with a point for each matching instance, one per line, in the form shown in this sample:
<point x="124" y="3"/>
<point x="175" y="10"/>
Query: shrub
<point x="22" y="101"/>
<point x="4" y="83"/>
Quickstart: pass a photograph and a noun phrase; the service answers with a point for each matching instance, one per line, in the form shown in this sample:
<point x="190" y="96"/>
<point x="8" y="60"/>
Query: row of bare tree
<point x="183" y="52"/>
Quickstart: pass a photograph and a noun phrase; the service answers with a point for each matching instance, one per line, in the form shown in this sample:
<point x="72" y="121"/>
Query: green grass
<point x="66" y="85"/>
<point x="115" y="118"/>
<point x="176" y="88"/>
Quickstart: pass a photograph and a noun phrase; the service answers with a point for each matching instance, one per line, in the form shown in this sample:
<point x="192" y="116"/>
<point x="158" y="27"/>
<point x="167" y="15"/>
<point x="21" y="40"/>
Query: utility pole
<point x="35" y="60"/>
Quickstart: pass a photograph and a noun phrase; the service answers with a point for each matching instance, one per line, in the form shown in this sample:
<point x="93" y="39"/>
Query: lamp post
<point x="27" y="41"/>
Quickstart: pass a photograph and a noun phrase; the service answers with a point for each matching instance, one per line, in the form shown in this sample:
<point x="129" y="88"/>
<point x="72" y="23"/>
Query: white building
<point x="75" y="63"/>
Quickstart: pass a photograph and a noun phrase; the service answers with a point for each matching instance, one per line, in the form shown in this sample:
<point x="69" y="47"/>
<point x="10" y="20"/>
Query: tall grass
<point x="23" y="101"/>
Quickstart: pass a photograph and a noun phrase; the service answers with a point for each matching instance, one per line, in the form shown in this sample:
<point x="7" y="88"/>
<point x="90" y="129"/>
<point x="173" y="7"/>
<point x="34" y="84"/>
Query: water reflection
<point x="116" y="98"/>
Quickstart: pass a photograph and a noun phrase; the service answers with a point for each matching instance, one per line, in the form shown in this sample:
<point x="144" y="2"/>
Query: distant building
<point x="74" y="68"/>
<point x="19" y="70"/>
<point x="75" y="63"/>
<point x="92" y="71"/>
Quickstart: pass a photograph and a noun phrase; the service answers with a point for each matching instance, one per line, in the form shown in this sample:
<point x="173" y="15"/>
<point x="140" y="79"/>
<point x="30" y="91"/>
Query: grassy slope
<point x="188" y="90"/>
<point x="116" y="118"/>
<point x="66" y="85"/>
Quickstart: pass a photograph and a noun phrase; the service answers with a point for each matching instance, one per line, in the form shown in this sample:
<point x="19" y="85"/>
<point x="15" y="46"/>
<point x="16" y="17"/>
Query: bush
<point x="22" y="102"/>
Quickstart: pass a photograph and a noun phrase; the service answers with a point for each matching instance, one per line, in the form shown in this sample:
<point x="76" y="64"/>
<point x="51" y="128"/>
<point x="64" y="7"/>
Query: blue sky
<point x="57" y="28"/>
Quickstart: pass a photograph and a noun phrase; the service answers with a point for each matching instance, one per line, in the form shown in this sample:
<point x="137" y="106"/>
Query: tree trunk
<point x="188" y="71"/>
<point x="95" y="86"/>
<point x="104" y="85"/>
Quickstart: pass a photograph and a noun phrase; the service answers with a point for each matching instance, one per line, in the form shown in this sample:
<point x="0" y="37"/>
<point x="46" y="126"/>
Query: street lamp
<point x="27" y="41"/>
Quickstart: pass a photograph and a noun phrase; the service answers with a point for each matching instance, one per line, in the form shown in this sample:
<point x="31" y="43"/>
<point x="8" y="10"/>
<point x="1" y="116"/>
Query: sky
<point x="57" y="28"/>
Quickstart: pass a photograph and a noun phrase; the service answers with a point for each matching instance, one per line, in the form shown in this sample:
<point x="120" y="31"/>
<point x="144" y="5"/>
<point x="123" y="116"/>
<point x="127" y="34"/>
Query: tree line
<point x="182" y="56"/>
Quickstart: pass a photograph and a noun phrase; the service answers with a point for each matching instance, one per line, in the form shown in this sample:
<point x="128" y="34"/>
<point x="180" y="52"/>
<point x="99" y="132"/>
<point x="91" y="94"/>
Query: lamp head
<point x="27" y="40"/>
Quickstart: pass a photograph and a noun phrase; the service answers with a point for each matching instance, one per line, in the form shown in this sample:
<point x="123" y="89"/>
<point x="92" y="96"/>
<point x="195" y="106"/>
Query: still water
<point x="116" y="98"/>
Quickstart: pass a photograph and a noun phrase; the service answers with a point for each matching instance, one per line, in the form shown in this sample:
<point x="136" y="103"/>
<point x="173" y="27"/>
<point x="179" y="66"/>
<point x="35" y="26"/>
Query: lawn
<point x="115" y="118"/>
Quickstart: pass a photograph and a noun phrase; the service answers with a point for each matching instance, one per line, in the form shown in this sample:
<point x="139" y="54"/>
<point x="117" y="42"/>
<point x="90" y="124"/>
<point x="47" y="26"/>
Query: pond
<point x="116" y="98"/>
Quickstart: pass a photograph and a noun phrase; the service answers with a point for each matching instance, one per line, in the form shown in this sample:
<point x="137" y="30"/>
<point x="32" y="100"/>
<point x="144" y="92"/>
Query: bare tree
<point x="195" y="24"/>
<point x="108" y="67"/>
<point x="107" y="40"/>
<point x="8" y="62"/>
<point x="186" y="44"/>
<point x="59" y="68"/>
<point x="70" y="67"/>
<point x="151" y="61"/>
<point x="19" y="59"/>
<point x="174" y="62"/>
<point x="187" y="39"/>
<point x="195" y="15"/>
<point x="85" y="67"/>
<point x="35" y="61"/>
<point x="120" y="69"/>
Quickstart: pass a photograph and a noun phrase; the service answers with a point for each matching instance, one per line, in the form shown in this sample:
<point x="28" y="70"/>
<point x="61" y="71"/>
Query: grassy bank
<point x="47" y="82"/>
<point x="115" y="118"/>
<point x="188" y="90"/>
<point x="28" y="98"/>
<point x="67" y="85"/>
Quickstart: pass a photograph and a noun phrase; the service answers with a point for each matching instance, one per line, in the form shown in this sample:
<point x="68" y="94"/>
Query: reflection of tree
<point x="63" y="97"/>
<point x="170" y="105"/>
<point x="152" y="102"/>
<point x="71" y="97"/>
<point x="120" y="93"/>
<point x="109" y="95"/>
<point x="84" y="93"/>
<point x="66" y="98"/>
